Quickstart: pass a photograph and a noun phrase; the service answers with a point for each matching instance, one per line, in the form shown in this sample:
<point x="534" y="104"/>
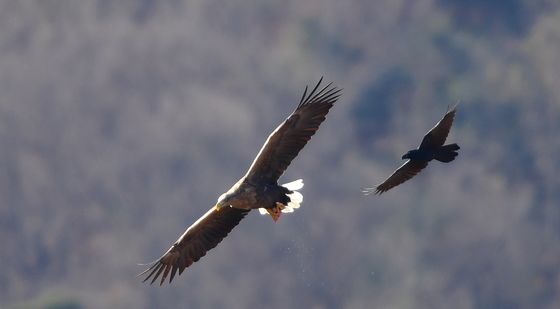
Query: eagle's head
<point x="228" y="199"/>
<point x="223" y="201"/>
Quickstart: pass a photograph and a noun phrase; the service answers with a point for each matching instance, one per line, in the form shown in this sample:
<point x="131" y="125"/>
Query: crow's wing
<point x="438" y="134"/>
<point x="406" y="171"/>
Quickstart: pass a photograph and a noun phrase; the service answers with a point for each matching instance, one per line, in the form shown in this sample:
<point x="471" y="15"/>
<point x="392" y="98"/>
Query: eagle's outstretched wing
<point x="198" y="239"/>
<point x="406" y="171"/>
<point x="281" y="147"/>
<point x="438" y="134"/>
<point x="284" y="144"/>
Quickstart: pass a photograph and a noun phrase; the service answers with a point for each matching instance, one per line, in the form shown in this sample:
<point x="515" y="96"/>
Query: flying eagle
<point x="431" y="148"/>
<point x="258" y="189"/>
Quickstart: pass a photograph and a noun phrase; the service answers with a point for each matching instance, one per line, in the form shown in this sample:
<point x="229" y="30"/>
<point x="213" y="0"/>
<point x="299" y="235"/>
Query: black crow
<point x="431" y="148"/>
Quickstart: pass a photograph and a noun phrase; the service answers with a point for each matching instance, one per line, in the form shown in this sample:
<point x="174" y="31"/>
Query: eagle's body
<point x="257" y="189"/>
<point x="246" y="195"/>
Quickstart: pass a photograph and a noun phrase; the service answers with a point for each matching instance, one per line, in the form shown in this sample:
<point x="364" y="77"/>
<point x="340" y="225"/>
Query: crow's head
<point x="408" y="155"/>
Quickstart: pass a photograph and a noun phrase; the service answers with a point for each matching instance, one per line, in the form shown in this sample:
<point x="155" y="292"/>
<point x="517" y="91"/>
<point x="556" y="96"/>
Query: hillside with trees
<point x="121" y="122"/>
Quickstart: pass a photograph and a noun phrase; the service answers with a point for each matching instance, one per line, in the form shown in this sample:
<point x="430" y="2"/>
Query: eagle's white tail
<point x="295" y="200"/>
<point x="295" y="197"/>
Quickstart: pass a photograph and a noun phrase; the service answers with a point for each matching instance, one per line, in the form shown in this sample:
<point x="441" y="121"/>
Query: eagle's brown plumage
<point x="284" y="144"/>
<point x="200" y="237"/>
<point x="257" y="189"/>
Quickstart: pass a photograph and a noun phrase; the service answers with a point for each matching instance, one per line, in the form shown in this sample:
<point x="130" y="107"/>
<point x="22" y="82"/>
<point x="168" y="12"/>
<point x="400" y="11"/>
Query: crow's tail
<point x="447" y="153"/>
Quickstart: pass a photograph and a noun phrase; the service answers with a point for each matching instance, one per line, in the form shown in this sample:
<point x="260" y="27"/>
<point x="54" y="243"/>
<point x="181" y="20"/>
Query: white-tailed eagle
<point x="258" y="189"/>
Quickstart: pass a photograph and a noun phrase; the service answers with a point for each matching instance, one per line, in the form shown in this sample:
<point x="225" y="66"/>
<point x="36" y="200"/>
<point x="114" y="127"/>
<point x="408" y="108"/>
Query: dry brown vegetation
<point x="121" y="122"/>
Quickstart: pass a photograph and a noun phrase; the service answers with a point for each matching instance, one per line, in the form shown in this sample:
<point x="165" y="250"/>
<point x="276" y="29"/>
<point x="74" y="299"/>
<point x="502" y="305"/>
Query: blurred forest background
<point x="121" y="122"/>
